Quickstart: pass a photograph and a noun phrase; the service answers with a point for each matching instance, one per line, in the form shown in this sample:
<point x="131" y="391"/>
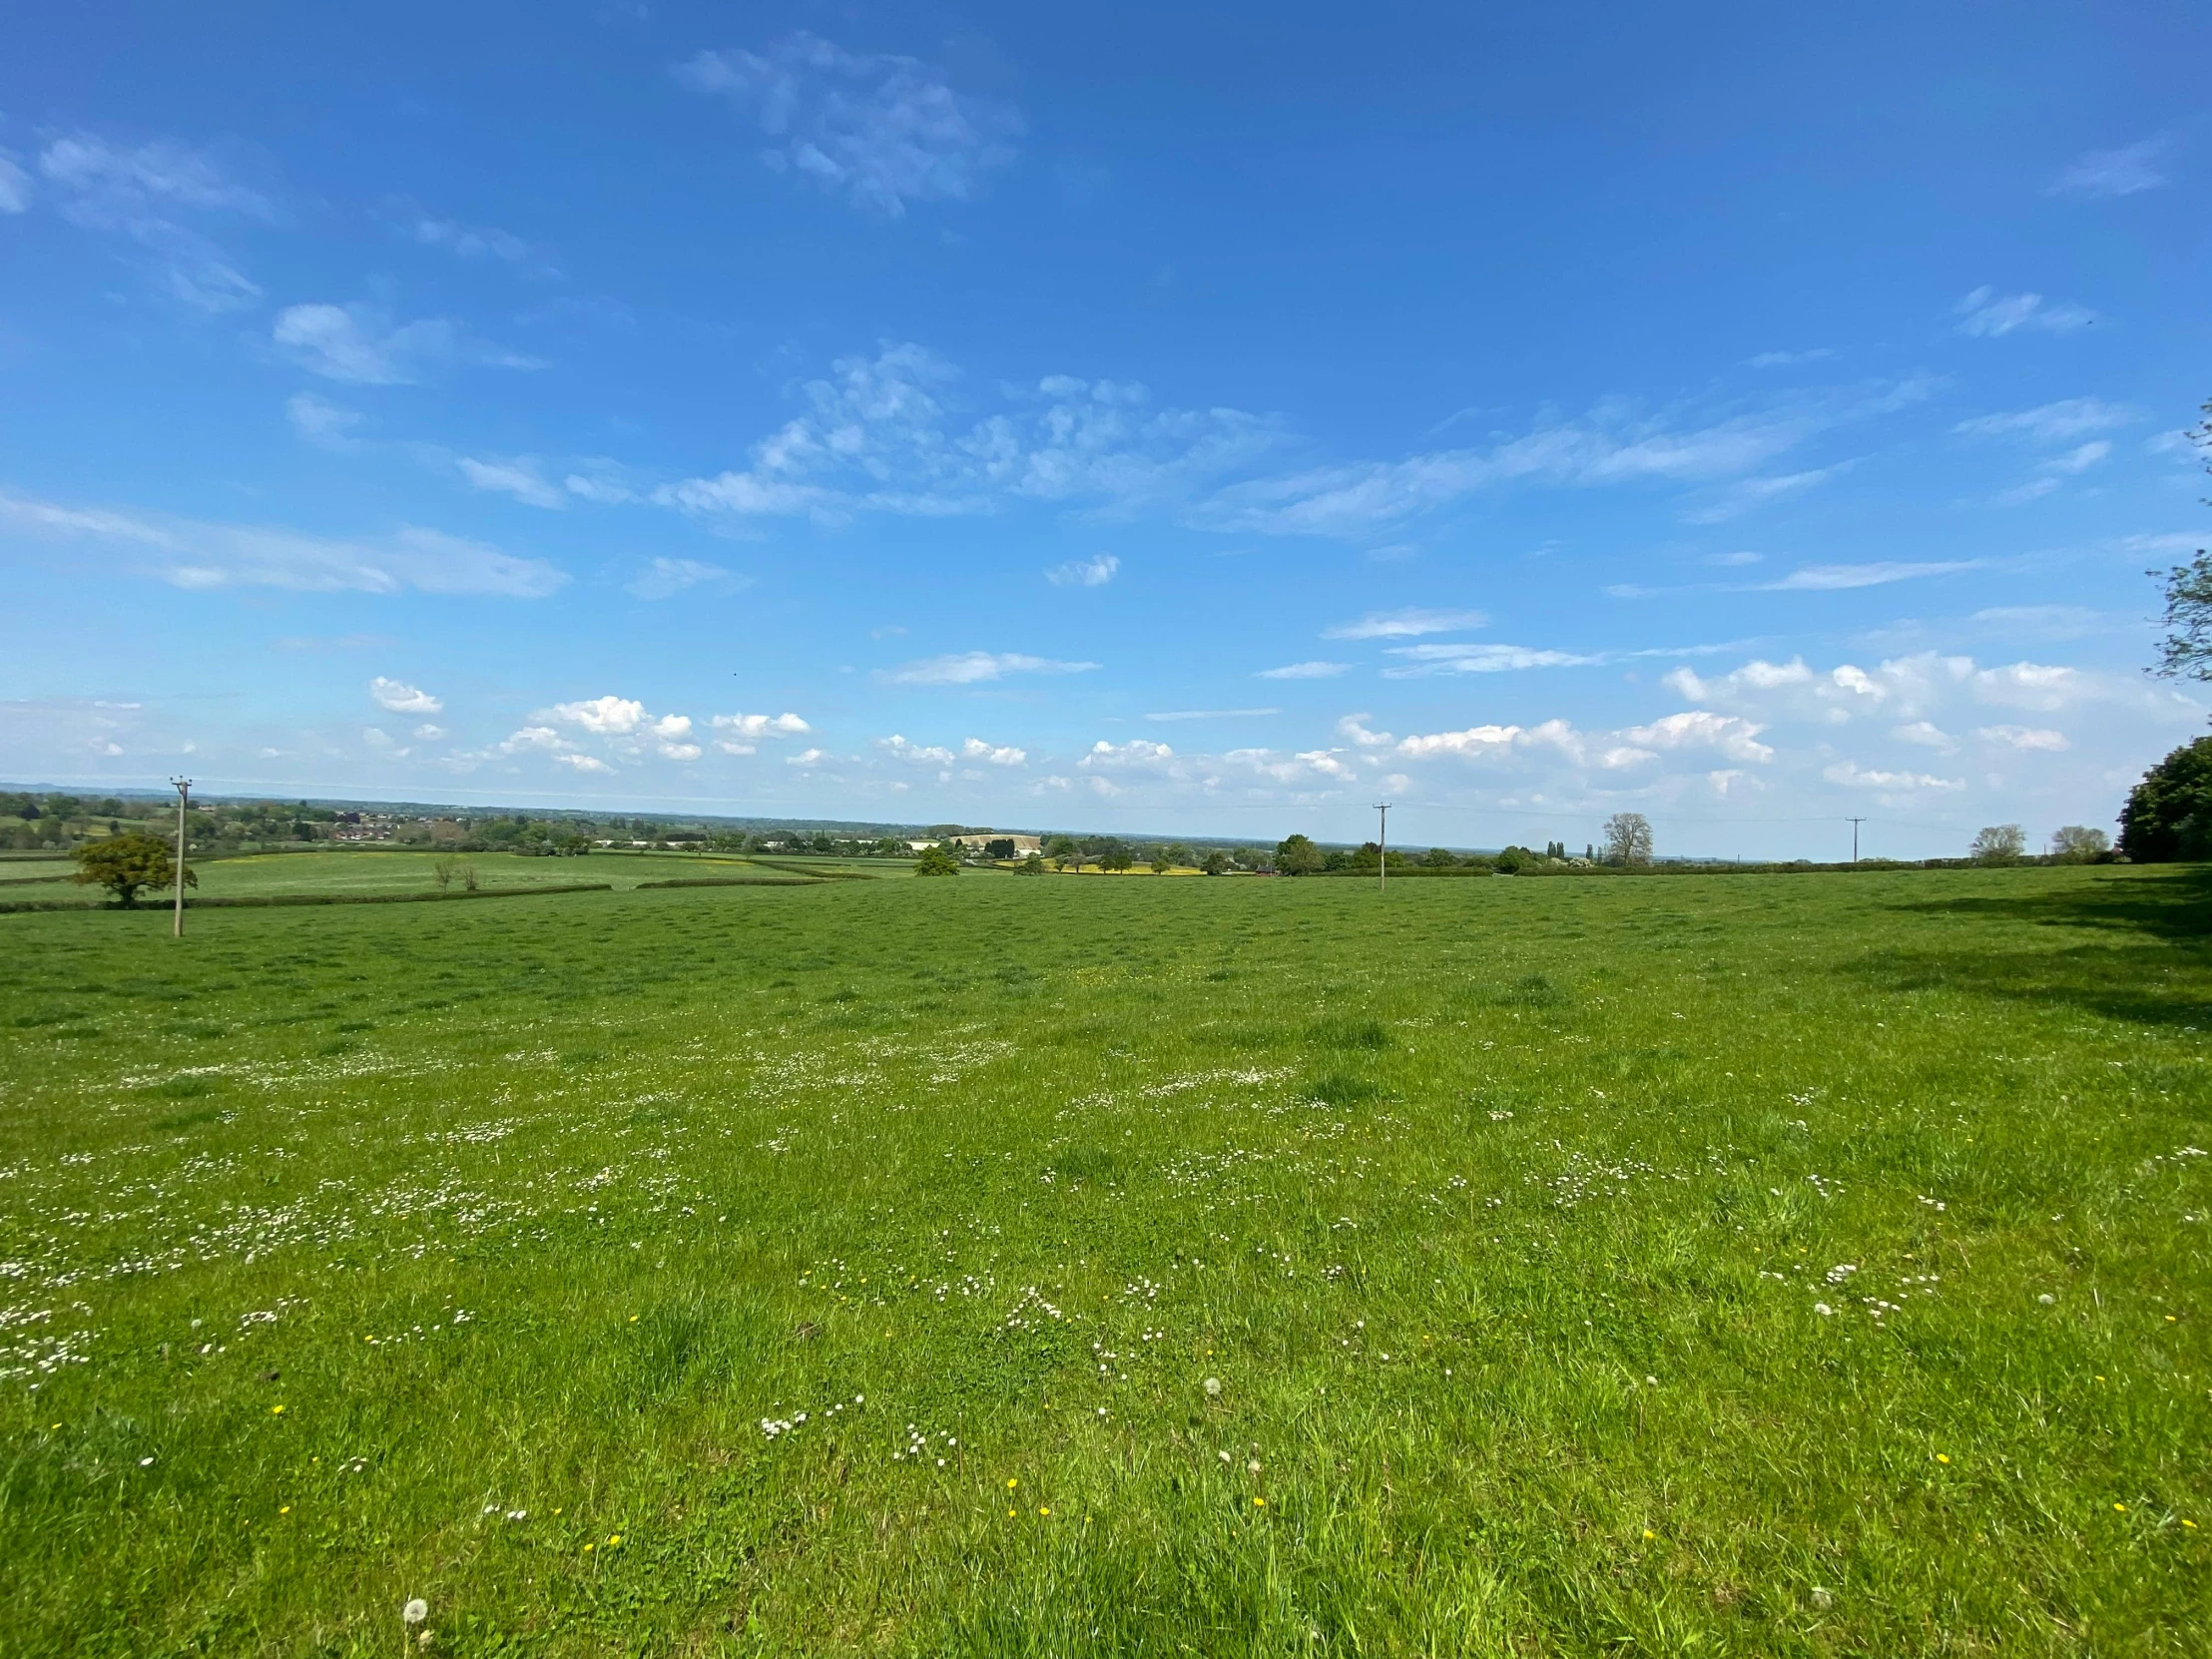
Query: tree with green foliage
<point x="1217" y="862"/>
<point x="1298" y="856"/>
<point x="1031" y="866"/>
<point x="125" y="865"/>
<point x="936" y="860"/>
<point x="2077" y="844"/>
<point x="1439" y="857"/>
<point x="1627" y="840"/>
<point x="1999" y="843"/>
<point x="1161" y="862"/>
<point x="2168" y="816"/>
<point x="2187" y="647"/>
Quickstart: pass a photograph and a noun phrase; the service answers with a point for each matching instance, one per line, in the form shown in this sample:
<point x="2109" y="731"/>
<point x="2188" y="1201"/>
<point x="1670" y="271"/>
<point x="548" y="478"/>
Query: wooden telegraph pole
<point x="184" y="793"/>
<point x="1381" y="844"/>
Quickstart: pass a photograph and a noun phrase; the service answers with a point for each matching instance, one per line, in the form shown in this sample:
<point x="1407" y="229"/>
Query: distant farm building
<point x="985" y="840"/>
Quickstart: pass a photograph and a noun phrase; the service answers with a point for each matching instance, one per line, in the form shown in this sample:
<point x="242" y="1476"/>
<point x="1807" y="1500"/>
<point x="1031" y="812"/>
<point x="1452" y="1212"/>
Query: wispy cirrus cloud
<point x="1749" y="494"/>
<point x="1989" y="314"/>
<point x="880" y="128"/>
<point x="1405" y="624"/>
<point x="1615" y="444"/>
<point x="2126" y="171"/>
<point x="969" y="668"/>
<point x="1212" y="714"/>
<point x="883" y="434"/>
<point x="145" y="192"/>
<point x="665" y="578"/>
<point x="361" y="344"/>
<point x="1874" y="574"/>
<point x="2069" y="417"/>
<point x="893" y="434"/>
<point x="518" y="477"/>
<point x="15" y="186"/>
<point x="1304" y="671"/>
<point x="322" y="423"/>
<point x="1418" y="660"/>
<point x="190" y="553"/>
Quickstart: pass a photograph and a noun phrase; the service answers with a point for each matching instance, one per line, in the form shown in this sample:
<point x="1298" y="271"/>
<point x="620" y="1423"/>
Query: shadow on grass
<point x="2142" y="953"/>
<point x="2173" y="903"/>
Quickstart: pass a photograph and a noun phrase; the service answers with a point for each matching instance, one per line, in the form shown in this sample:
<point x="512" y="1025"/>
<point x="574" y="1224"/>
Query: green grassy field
<point x="1749" y="1266"/>
<point x="375" y="873"/>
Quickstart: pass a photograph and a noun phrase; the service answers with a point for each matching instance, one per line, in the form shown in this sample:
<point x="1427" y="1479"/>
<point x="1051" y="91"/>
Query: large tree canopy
<point x="2168" y="814"/>
<point x="2187" y="647"/>
<point x="125" y="863"/>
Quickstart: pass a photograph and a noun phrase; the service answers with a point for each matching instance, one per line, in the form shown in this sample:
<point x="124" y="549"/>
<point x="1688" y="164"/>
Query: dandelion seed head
<point x="415" y="1611"/>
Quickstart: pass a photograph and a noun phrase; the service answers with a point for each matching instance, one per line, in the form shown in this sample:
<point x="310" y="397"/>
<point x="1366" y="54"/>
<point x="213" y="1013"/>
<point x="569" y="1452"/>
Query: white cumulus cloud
<point x="403" y="699"/>
<point x="898" y="749"/>
<point x="1852" y="775"/>
<point x="755" y="727"/>
<point x="1084" y="573"/>
<point x="2030" y="738"/>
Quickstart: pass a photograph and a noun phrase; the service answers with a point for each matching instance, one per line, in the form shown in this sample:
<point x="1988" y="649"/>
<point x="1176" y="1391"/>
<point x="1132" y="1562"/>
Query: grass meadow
<point x="363" y="873"/>
<point x="1764" y="1266"/>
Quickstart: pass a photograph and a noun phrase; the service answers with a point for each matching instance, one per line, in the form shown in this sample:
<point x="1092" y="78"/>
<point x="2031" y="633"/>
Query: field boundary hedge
<point x="733" y="881"/>
<point x="270" y="900"/>
<point x="814" y="874"/>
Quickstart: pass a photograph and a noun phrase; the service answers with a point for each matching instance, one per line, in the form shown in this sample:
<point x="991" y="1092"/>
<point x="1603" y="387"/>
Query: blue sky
<point x="1135" y="421"/>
